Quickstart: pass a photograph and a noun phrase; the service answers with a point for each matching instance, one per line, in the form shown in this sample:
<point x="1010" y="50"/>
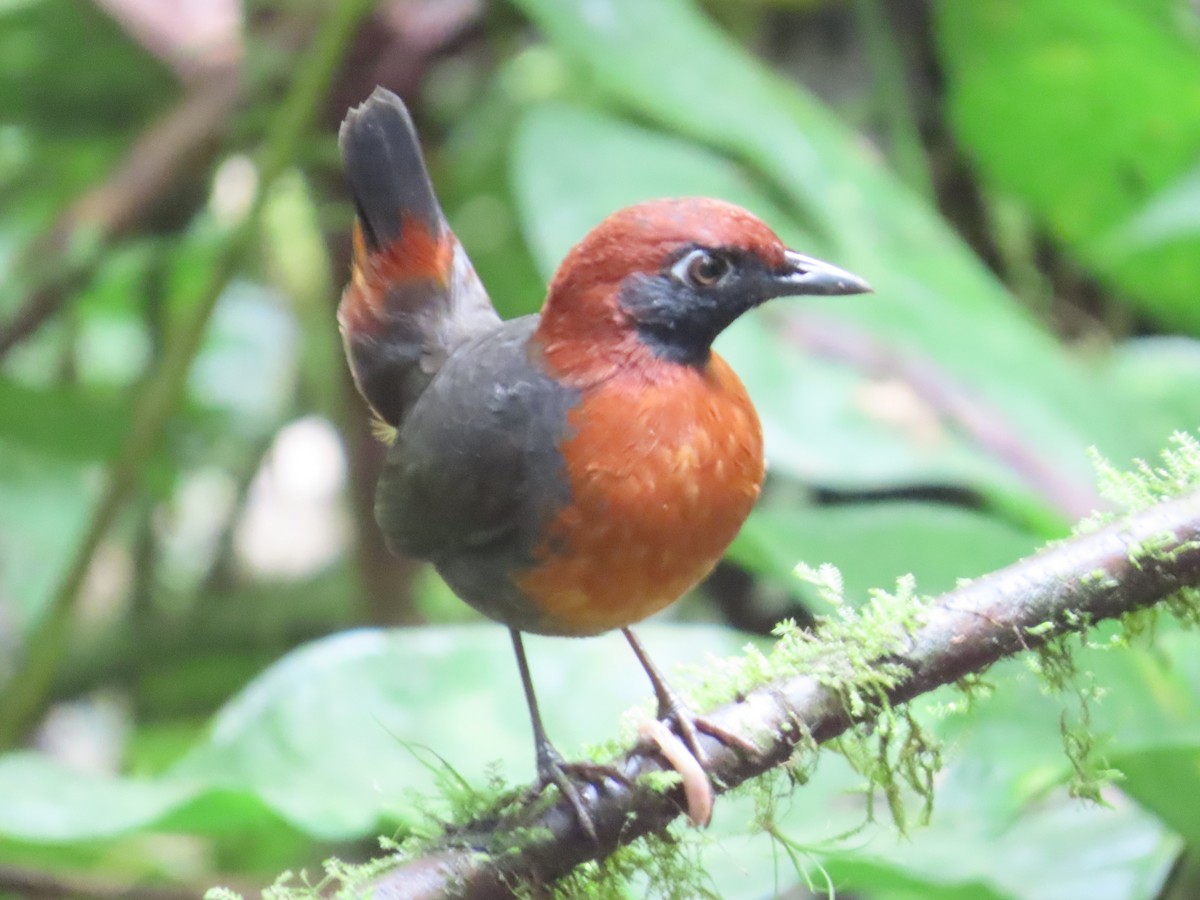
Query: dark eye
<point x="702" y="268"/>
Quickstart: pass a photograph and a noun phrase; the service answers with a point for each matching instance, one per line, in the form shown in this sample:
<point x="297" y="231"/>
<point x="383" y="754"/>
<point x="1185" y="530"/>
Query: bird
<point x="574" y="471"/>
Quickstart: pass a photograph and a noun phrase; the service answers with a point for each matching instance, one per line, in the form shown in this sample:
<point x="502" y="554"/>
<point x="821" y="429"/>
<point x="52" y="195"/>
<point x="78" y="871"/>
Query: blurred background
<point x="186" y="472"/>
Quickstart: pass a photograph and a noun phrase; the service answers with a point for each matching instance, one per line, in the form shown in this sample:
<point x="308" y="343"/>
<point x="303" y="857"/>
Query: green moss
<point x="661" y="782"/>
<point x="1140" y="487"/>
<point x="340" y="880"/>
<point x="455" y="798"/>
<point x="769" y="792"/>
<point x="897" y="757"/>
<point x="661" y="869"/>
<point x="1054" y="662"/>
<point x="1144" y="485"/>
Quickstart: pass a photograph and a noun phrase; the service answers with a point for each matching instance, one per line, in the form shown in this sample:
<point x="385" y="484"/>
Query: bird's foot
<point x="674" y="713"/>
<point x="675" y="733"/>
<point x="678" y="716"/>
<point x="567" y="776"/>
<point x="697" y="786"/>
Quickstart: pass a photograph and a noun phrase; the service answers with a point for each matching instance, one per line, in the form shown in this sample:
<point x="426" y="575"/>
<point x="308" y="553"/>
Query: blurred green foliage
<point x="199" y="726"/>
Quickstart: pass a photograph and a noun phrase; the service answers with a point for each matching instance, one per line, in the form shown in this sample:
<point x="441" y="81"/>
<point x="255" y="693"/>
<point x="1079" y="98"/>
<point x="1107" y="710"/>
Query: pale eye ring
<point x="702" y="268"/>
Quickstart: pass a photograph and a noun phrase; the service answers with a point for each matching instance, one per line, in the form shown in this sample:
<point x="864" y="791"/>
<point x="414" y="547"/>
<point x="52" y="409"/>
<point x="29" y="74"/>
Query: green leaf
<point x="1173" y="214"/>
<point x="72" y="423"/>
<point x="1158" y="380"/>
<point x="49" y="803"/>
<point x="1149" y="703"/>
<point x="826" y="420"/>
<point x="44" y="505"/>
<point x="1090" y="115"/>
<point x="1002" y="825"/>
<point x="1052" y="846"/>
<point x="934" y="300"/>
<point x="337" y="738"/>
<point x="1163" y="781"/>
<point x="875" y="543"/>
<point x="1054" y="850"/>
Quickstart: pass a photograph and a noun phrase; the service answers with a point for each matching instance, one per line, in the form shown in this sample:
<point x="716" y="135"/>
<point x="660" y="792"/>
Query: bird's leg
<point x="551" y="767"/>
<point x="673" y="711"/>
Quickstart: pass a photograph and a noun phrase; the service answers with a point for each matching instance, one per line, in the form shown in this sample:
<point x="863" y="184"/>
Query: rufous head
<point x="673" y="274"/>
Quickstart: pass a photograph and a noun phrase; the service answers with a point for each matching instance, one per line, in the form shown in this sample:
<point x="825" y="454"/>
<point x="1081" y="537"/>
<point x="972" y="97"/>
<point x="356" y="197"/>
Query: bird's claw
<point x="679" y="718"/>
<point x="553" y="770"/>
<point x="676" y="736"/>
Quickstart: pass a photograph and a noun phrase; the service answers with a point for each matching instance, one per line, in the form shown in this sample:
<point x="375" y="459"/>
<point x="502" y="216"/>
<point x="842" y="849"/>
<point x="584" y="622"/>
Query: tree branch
<point x="181" y="142"/>
<point x="1127" y="566"/>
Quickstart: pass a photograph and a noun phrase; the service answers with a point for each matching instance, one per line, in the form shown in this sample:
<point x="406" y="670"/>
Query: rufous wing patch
<point x="419" y="255"/>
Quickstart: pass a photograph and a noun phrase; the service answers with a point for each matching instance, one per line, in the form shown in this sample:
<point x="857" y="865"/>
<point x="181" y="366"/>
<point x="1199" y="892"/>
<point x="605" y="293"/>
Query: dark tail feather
<point x="413" y="296"/>
<point x="385" y="168"/>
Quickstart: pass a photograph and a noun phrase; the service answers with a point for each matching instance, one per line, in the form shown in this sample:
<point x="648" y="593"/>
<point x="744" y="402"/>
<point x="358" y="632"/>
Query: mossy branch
<point x="1132" y="564"/>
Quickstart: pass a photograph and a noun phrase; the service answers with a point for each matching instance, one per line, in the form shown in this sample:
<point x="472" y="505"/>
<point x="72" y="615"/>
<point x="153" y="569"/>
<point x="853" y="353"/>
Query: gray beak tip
<point x="808" y="275"/>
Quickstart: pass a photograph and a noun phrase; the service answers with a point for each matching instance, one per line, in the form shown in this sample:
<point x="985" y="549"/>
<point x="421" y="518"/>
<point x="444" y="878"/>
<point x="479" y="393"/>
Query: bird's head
<point x="670" y="275"/>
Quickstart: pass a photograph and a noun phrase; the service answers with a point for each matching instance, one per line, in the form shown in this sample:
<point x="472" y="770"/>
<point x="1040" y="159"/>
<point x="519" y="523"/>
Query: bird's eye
<point x="702" y="268"/>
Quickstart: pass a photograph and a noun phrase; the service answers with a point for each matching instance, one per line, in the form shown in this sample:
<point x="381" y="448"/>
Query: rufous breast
<point x="664" y="465"/>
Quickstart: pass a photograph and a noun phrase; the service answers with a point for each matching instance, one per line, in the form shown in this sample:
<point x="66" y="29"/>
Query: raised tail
<point x="413" y="295"/>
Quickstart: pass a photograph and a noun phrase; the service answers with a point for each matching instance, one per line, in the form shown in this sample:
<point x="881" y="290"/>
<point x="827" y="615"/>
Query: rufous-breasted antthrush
<point x="577" y="470"/>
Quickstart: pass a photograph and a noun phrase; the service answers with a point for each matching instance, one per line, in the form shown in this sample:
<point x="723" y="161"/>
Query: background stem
<point x="24" y="695"/>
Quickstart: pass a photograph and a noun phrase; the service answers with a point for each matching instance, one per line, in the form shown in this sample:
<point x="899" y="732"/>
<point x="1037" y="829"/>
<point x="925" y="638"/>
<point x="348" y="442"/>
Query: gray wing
<point x="475" y="471"/>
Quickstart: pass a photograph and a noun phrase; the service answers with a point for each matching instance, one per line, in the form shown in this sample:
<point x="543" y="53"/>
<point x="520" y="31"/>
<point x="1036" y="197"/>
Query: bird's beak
<point x="806" y="275"/>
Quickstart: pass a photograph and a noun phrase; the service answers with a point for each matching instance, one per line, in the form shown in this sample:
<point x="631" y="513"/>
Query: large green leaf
<point x="1163" y="781"/>
<point x="45" y="802"/>
<point x="1049" y="847"/>
<point x="1054" y="849"/>
<point x="1003" y="827"/>
<point x="935" y="301"/>
<point x="875" y="543"/>
<point x="1090" y="113"/>
<point x="339" y="737"/>
<point x="826" y="421"/>
<point x="1160" y="377"/>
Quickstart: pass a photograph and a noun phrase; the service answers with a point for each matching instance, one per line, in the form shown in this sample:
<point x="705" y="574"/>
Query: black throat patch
<point x="677" y="322"/>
